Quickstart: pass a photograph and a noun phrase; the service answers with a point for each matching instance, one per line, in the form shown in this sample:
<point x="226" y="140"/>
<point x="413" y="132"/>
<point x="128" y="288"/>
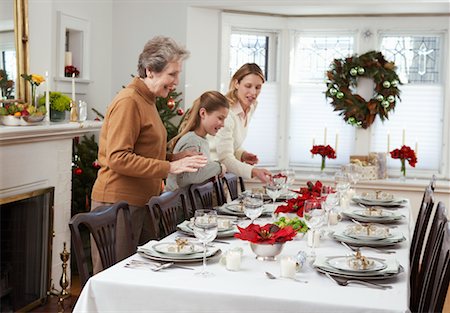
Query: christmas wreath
<point x="343" y="77"/>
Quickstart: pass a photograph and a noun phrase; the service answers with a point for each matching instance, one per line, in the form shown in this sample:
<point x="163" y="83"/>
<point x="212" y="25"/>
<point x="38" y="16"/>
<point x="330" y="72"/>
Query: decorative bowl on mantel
<point x="29" y="120"/>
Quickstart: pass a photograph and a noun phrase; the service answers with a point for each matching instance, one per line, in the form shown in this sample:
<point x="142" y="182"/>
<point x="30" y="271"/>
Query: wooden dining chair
<point x="167" y="211"/>
<point x="206" y="195"/>
<point x="420" y="227"/>
<point x="242" y="184"/>
<point x="418" y="270"/>
<point x="436" y="269"/>
<point x="101" y="224"/>
<point x="231" y="181"/>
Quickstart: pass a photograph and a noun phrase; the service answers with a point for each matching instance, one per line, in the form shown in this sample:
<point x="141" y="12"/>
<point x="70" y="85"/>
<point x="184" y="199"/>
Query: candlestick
<point x="325" y="136"/>
<point x="314" y="143"/>
<point x="388" y="142"/>
<point x="73" y="87"/>
<point x="403" y="137"/>
<point x="47" y="97"/>
<point x="336" y="142"/>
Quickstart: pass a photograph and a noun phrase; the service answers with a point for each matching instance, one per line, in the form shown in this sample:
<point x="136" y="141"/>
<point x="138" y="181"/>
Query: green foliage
<point x="58" y="101"/>
<point x="84" y="173"/>
<point x="168" y="114"/>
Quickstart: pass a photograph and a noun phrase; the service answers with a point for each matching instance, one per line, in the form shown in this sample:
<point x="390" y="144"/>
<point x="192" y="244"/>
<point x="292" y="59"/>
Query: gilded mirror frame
<point x="21" y="41"/>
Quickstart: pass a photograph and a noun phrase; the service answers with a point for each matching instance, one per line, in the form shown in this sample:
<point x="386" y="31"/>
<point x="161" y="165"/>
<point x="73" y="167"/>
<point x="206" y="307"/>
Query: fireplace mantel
<point x="36" y="157"/>
<point x="53" y="131"/>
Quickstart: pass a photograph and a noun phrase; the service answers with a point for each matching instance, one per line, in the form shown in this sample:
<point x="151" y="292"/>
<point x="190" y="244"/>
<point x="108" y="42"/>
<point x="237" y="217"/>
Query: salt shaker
<point x="82" y="111"/>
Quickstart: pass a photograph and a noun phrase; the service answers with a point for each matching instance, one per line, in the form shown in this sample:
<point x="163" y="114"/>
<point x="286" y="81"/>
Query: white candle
<point x="288" y="267"/>
<point x="333" y="218"/>
<point x="417" y="149"/>
<point x="233" y="260"/>
<point x="68" y="58"/>
<point x="47" y="97"/>
<point x="388" y="142"/>
<point x="336" y="142"/>
<point x="73" y="88"/>
<point x="325" y="136"/>
<point x="403" y="137"/>
<point x="313" y="238"/>
<point x="314" y="143"/>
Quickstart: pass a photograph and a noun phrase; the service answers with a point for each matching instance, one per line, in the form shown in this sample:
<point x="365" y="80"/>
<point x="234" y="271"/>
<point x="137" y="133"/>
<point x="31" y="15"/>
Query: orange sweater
<point x="132" y="148"/>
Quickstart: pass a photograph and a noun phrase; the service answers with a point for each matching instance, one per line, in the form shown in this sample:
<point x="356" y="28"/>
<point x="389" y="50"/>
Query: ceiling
<point x="330" y="7"/>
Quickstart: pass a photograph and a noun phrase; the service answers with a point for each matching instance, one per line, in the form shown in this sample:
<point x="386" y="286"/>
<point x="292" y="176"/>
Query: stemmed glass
<point x="205" y="229"/>
<point x="274" y="187"/>
<point x="290" y="179"/>
<point x="329" y="202"/>
<point x="253" y="205"/>
<point x="314" y="215"/>
<point x="342" y="181"/>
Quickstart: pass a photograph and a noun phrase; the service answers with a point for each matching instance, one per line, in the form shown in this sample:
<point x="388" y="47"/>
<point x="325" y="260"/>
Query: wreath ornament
<point x="343" y="77"/>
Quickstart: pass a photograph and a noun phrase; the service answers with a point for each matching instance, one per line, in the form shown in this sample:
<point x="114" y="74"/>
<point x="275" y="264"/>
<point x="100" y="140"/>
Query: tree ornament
<point x="77" y="171"/>
<point x="352" y="107"/>
<point x="95" y="164"/>
<point x="170" y="103"/>
<point x="180" y="111"/>
<point x="391" y="98"/>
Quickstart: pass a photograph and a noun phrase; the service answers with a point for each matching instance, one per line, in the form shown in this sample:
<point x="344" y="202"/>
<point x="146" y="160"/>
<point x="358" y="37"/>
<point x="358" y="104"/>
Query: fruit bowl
<point x="29" y="120"/>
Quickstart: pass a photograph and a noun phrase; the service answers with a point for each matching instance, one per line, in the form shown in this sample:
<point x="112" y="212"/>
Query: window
<point x="419" y="62"/>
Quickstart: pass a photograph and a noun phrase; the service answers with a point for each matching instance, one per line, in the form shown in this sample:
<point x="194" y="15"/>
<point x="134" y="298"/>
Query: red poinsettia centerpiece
<point x="325" y="152"/>
<point x="267" y="234"/>
<point x="405" y="153"/>
<point x="295" y="205"/>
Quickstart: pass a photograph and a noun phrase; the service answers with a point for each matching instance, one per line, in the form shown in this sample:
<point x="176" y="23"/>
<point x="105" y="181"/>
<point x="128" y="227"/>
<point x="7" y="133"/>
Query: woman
<point x="245" y="86"/>
<point x="132" y="147"/>
<point x="206" y="117"/>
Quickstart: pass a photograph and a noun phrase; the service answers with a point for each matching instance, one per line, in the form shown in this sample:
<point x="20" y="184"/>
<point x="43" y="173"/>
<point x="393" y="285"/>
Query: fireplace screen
<point x="26" y="229"/>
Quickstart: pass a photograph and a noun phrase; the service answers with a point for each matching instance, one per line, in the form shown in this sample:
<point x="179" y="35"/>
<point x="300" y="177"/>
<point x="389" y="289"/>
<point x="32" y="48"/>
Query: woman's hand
<point x="262" y="174"/>
<point x="249" y="158"/>
<point x="180" y="155"/>
<point x="188" y="164"/>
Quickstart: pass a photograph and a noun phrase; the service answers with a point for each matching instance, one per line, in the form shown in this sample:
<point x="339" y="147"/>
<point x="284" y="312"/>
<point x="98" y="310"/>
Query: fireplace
<point x="26" y="232"/>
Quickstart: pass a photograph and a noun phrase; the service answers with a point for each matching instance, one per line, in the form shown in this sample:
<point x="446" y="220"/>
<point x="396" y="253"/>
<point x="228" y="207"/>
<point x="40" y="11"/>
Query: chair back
<point x="241" y="182"/>
<point x="231" y="181"/>
<point x="101" y="224"/>
<point x="207" y="194"/>
<point x="420" y="227"/>
<point x="167" y="211"/>
<point x="436" y="269"/>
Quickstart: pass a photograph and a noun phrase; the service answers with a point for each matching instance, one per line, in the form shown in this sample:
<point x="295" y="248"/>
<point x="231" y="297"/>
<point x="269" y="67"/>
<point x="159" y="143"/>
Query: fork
<point x="361" y="282"/>
<point x="356" y="249"/>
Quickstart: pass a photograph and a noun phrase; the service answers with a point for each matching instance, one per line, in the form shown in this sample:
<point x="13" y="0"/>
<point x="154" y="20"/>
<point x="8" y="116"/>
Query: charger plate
<point x="341" y="263"/>
<point x="211" y="257"/>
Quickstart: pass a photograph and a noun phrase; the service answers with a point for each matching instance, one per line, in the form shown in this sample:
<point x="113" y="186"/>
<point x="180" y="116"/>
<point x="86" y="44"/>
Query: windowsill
<point x="77" y="80"/>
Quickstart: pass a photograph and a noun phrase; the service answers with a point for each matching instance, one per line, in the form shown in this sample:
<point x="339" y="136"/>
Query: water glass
<point x="253" y="205"/>
<point x="205" y="230"/>
<point x="314" y="216"/>
<point x="274" y="188"/>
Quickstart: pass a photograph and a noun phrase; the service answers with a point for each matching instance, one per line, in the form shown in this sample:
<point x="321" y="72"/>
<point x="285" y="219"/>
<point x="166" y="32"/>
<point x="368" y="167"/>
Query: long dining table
<point x="139" y="289"/>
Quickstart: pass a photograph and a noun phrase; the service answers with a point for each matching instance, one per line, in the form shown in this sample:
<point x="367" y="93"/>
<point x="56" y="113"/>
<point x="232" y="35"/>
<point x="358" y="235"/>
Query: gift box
<point x="368" y="171"/>
<point x="379" y="159"/>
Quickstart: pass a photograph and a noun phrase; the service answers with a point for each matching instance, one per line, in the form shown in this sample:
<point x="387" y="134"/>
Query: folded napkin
<point x="148" y="247"/>
<point x="392" y="265"/>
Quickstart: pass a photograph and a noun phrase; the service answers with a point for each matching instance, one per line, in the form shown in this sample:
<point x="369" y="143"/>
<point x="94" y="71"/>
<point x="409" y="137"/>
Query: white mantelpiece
<point x="34" y="157"/>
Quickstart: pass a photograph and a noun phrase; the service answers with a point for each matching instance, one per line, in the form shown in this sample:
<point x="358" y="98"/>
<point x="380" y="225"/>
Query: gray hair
<point x="158" y="52"/>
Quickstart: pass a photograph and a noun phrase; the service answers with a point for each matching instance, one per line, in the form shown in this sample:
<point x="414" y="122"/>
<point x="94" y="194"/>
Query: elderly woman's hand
<point x="262" y="174"/>
<point x="249" y="158"/>
<point x="188" y="164"/>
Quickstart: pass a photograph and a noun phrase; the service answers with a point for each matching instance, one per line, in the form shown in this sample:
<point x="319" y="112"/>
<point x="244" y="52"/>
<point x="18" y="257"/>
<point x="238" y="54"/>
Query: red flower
<point x="295" y="205"/>
<point x="405" y="153"/>
<point x="267" y="234"/>
<point x="324" y="151"/>
<point x="69" y="70"/>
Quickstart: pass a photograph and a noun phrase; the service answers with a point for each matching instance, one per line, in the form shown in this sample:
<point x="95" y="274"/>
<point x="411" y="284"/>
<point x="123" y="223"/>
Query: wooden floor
<point x="69" y="303"/>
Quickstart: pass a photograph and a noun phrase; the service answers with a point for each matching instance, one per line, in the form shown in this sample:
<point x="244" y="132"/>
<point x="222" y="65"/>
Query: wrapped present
<point x="380" y="161"/>
<point x="368" y="171"/>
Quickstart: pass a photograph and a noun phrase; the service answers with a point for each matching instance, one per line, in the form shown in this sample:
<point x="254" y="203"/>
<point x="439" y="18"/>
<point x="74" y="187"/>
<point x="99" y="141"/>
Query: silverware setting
<point x="356" y="249"/>
<point x="357" y="281"/>
<point x="155" y="266"/>
<point x="271" y="276"/>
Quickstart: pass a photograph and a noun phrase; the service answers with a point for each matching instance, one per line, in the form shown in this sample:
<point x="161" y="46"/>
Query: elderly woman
<point x="132" y="147"/>
<point x="226" y="146"/>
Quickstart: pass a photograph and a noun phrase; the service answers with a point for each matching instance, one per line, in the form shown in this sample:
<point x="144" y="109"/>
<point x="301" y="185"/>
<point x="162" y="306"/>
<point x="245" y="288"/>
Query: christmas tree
<point x="169" y="109"/>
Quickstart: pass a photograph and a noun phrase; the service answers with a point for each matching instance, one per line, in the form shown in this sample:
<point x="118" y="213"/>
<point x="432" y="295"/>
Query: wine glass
<point x="205" y="229"/>
<point x="342" y="181"/>
<point x="253" y="205"/>
<point x="314" y="215"/>
<point x="274" y="187"/>
<point x="290" y="179"/>
<point x="329" y="202"/>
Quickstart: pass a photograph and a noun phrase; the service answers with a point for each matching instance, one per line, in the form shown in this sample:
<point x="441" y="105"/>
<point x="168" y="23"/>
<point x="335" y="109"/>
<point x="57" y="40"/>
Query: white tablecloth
<point x="120" y="289"/>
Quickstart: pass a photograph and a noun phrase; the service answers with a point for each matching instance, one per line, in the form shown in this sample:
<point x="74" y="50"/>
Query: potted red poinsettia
<point x="295" y="205"/>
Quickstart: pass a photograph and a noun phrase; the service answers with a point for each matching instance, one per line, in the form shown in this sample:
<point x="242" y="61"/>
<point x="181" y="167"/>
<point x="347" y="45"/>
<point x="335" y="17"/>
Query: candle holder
<point x="63" y="282"/>
<point x="73" y="112"/>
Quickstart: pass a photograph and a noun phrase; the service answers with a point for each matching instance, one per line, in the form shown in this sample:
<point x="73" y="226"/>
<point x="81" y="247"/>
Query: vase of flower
<point x="325" y="152"/>
<point x="322" y="166"/>
<point x="403" y="169"/>
<point x="404" y="154"/>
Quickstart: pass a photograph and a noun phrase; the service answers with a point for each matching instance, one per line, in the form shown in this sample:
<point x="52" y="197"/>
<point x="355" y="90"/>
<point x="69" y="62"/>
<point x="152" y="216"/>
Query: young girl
<point x="206" y="117"/>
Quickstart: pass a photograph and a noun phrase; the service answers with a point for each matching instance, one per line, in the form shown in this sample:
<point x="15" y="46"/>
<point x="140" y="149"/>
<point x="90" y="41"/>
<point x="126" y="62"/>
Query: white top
<point x="226" y="146"/>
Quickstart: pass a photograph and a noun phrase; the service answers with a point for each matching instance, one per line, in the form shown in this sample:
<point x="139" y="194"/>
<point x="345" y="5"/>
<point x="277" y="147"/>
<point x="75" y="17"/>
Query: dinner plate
<point x="170" y="249"/>
<point x="374" y="214"/>
<point x="396" y="238"/>
<point x="220" y="229"/>
<point x="193" y="256"/>
<point x="388" y="204"/>
<point x="373" y="219"/>
<point x="209" y="257"/>
<point x="363" y="233"/>
<point x="187" y="230"/>
<point x="359" y="275"/>
<point x="226" y="210"/>
<point x="343" y="263"/>
<point x="380" y="197"/>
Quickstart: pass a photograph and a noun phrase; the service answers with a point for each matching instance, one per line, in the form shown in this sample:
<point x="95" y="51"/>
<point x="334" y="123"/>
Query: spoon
<point x="271" y="276"/>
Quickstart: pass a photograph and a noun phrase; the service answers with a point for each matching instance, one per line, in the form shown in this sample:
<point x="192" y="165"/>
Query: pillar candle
<point x="47" y="97"/>
<point x="325" y="136"/>
<point x="73" y="88"/>
<point x="314" y="143"/>
<point x="388" y="142"/>
<point x="336" y="142"/>
<point x="288" y="267"/>
<point x="68" y="58"/>
<point x="403" y="137"/>
<point x="417" y="149"/>
<point x="233" y="260"/>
